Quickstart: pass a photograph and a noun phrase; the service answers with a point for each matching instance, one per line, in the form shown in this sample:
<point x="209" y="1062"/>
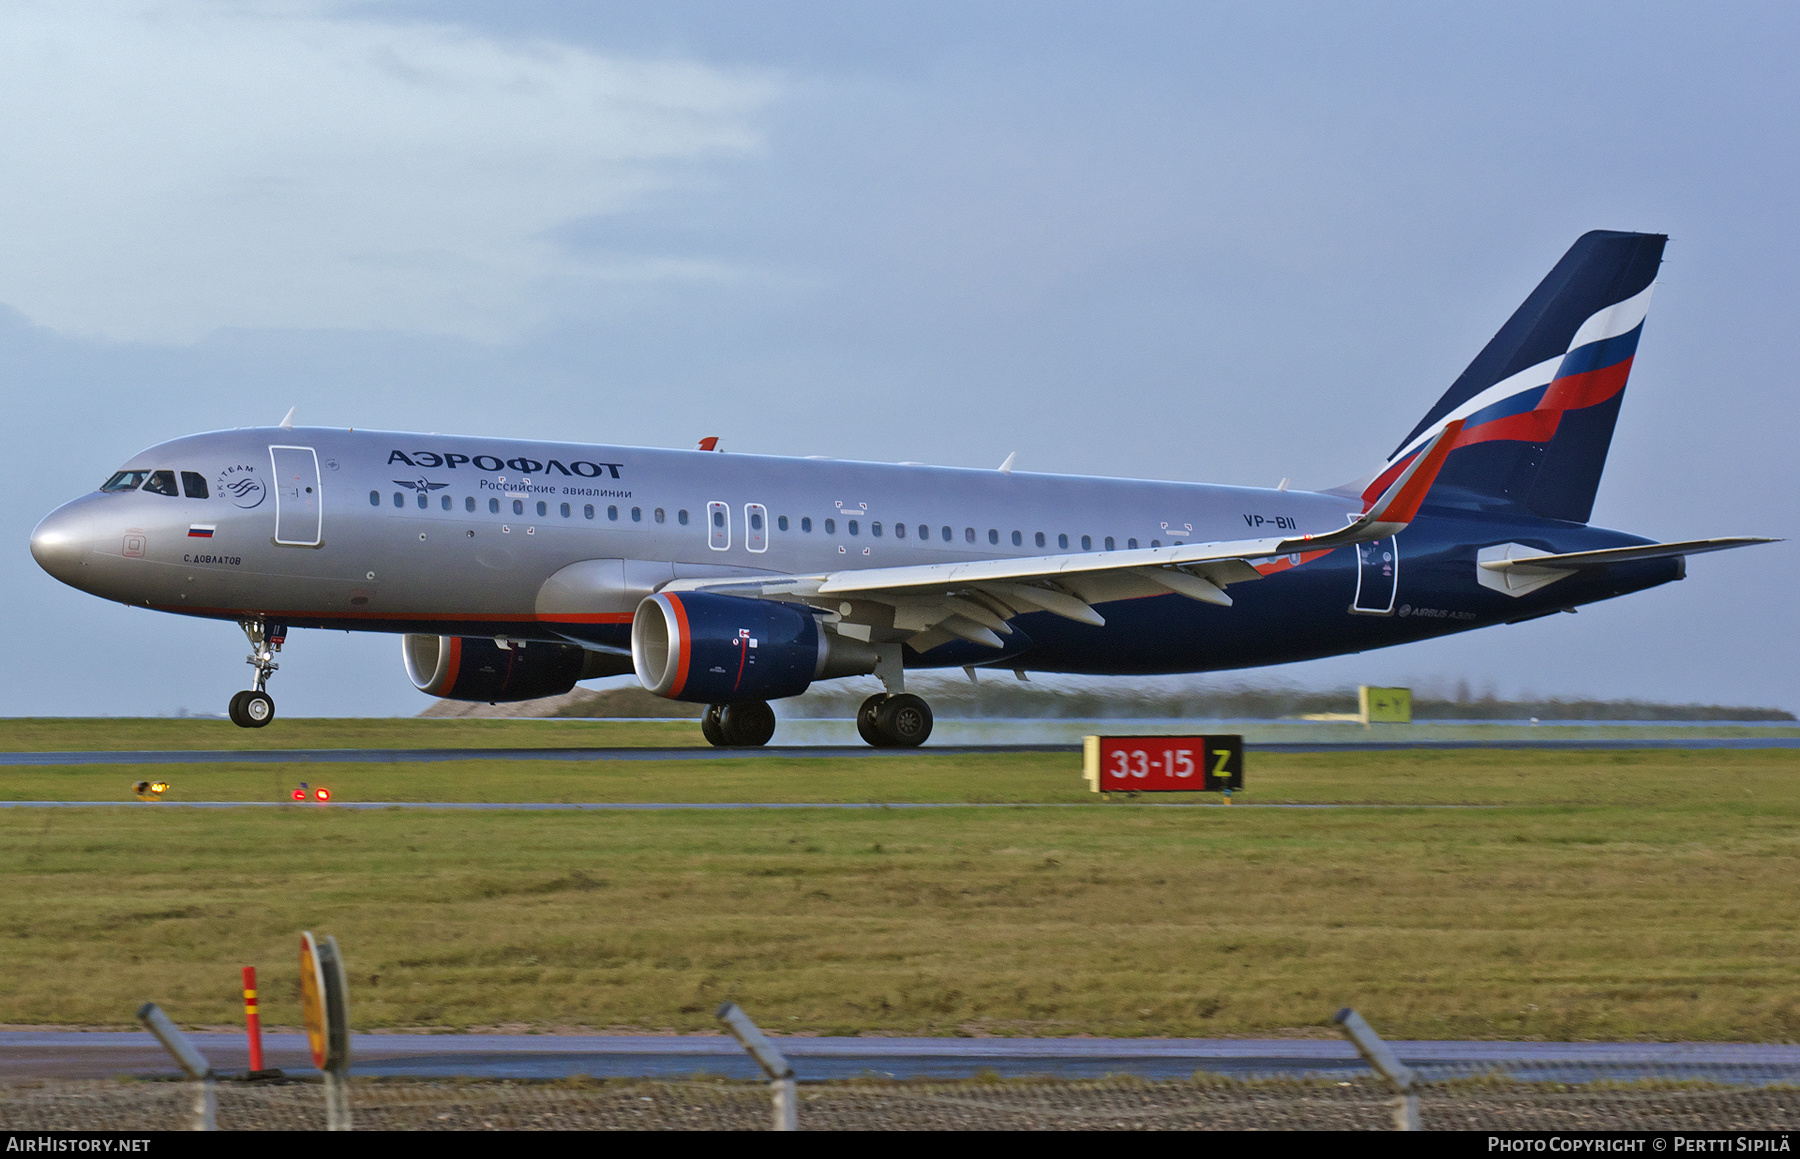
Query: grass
<point x="1624" y="895"/>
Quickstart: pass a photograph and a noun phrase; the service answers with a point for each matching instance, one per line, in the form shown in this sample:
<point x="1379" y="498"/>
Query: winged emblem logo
<point x="422" y="486"/>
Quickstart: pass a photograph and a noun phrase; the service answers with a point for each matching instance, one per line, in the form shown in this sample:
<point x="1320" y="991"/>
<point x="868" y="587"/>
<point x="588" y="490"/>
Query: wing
<point x="932" y="604"/>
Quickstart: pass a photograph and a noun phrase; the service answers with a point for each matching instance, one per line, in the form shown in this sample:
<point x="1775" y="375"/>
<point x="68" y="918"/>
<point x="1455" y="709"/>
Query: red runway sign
<point x="1151" y="764"/>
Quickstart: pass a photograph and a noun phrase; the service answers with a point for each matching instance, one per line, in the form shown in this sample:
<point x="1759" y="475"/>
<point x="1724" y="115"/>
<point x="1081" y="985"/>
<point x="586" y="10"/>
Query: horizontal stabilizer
<point x="1581" y="559"/>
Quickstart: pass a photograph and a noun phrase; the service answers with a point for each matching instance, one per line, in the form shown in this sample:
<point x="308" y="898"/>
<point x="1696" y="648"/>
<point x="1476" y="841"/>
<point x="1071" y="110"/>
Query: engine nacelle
<point x="478" y="668"/>
<point x="713" y="649"/>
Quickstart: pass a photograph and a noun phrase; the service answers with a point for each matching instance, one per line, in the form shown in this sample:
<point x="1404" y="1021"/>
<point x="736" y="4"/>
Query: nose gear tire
<point x="252" y="709"/>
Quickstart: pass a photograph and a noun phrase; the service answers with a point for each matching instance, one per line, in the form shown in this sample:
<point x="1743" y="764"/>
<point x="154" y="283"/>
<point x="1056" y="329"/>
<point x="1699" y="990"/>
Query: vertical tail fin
<point x="1538" y="404"/>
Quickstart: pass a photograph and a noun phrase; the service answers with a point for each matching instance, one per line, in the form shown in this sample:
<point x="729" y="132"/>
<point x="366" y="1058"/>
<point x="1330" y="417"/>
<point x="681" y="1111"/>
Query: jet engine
<point x="714" y="649"/>
<point x="478" y="668"/>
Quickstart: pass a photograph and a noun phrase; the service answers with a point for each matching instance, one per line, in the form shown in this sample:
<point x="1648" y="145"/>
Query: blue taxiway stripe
<point x="793" y="752"/>
<point x="95" y="1054"/>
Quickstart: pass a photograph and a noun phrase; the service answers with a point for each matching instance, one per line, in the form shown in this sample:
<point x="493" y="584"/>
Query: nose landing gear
<point x="254" y="707"/>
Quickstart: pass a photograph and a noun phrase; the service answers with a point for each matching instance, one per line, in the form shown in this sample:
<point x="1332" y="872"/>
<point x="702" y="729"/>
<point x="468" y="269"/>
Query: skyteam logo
<point x="242" y="485"/>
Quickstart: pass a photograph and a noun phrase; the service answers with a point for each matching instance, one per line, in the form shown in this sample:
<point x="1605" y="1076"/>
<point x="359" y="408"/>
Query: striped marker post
<point x="252" y="1020"/>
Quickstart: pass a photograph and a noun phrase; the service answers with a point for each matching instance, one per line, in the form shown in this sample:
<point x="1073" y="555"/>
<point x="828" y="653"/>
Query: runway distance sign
<point x="1162" y="764"/>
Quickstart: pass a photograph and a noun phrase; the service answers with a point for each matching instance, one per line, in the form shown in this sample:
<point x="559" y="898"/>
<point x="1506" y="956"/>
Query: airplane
<point x="514" y="569"/>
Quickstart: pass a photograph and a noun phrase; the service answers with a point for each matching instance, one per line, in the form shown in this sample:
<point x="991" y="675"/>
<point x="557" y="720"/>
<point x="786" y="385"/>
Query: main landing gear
<point x="890" y="720"/>
<point x="254" y="707"/>
<point x="746" y="725"/>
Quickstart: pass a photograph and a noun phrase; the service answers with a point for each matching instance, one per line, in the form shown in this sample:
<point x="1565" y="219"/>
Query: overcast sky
<point x="1226" y="244"/>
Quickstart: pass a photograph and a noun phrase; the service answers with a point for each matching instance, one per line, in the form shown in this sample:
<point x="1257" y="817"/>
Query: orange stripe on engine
<point x="681" y="663"/>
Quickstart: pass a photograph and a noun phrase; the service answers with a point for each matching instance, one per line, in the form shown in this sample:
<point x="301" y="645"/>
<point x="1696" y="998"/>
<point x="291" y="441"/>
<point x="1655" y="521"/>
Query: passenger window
<point x="374" y="498"/>
<point x="1109" y="543"/>
<point x="1131" y="544"/>
<point x="659" y="515"/>
<point x="946" y="535"/>
<point x="637" y="514"/>
<point x="853" y="528"/>
<point x="1156" y="543"/>
<point x="1087" y="543"/>
<point x="1018" y="539"/>
<point x="518" y="506"/>
<point x="399" y="499"/>
<point x="424" y="500"/>
<point x="543" y="508"/>
<point x="127" y="481"/>
<point x="781" y="522"/>
<point x="969" y="534"/>
<point x="162" y="483"/>
<point x="587" y="511"/>
<point x="1062" y="542"/>
<point x="756" y="521"/>
<point x="193" y="485"/>
<point x="444" y="502"/>
<point x="899" y="530"/>
<point x="831" y="527"/>
<point x="493" y="506"/>
<point x="924" y="532"/>
<point x="565" y="510"/>
<point x="468" y="503"/>
<point x="806" y="523"/>
<point x="1039" y="539"/>
<point x="612" y="513"/>
<point x="994" y="536"/>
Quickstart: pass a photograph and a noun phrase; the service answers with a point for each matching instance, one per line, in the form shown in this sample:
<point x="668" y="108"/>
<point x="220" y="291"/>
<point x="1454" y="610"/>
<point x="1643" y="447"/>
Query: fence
<point x="1460" y="1098"/>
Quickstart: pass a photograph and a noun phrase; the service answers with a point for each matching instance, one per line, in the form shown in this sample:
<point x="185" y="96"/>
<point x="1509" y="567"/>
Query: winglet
<point x="1401" y="501"/>
<point x="1397" y="506"/>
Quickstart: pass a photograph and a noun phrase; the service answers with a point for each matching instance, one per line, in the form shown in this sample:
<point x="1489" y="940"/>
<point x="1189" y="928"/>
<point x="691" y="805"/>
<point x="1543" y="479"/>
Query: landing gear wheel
<point x="709" y="725"/>
<point x="865" y="719"/>
<point x="747" y="725"/>
<point x="256" y="709"/>
<point x="900" y="722"/>
<point x="251" y="709"/>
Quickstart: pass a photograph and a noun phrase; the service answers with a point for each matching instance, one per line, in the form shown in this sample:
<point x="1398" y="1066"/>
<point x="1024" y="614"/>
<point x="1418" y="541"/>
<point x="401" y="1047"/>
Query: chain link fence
<point x="1573" y="1098"/>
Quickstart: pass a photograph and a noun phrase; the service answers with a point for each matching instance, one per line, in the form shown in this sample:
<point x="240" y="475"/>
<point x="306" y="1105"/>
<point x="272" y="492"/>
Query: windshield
<point x="124" y="481"/>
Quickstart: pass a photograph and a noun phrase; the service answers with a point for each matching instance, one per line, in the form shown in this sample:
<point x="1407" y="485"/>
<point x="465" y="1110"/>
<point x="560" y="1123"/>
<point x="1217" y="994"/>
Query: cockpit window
<point x="193" y="484"/>
<point x="162" y="482"/>
<point x="124" y="481"/>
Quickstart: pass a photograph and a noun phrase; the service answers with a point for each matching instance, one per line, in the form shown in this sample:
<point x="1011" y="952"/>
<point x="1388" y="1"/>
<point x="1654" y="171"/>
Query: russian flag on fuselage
<point x="1539" y="402"/>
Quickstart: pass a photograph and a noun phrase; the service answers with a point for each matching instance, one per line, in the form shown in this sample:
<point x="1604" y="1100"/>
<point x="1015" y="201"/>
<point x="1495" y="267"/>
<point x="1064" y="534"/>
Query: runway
<point x="816" y="752"/>
<point x="26" y="1054"/>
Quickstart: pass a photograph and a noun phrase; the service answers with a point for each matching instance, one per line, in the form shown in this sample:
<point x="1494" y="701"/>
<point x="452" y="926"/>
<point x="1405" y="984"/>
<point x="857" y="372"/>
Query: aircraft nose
<point x="61" y="542"/>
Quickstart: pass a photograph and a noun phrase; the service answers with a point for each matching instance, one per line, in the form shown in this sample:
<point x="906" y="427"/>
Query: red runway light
<point x="322" y="794"/>
<point x="299" y="794"/>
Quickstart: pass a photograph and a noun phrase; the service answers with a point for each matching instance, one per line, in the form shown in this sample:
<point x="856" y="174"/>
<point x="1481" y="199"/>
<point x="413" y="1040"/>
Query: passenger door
<point x="1377" y="577"/>
<point x="299" y="516"/>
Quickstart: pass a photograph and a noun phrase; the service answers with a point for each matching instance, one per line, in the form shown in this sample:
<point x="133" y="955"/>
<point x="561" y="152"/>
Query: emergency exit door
<point x="299" y="516"/>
